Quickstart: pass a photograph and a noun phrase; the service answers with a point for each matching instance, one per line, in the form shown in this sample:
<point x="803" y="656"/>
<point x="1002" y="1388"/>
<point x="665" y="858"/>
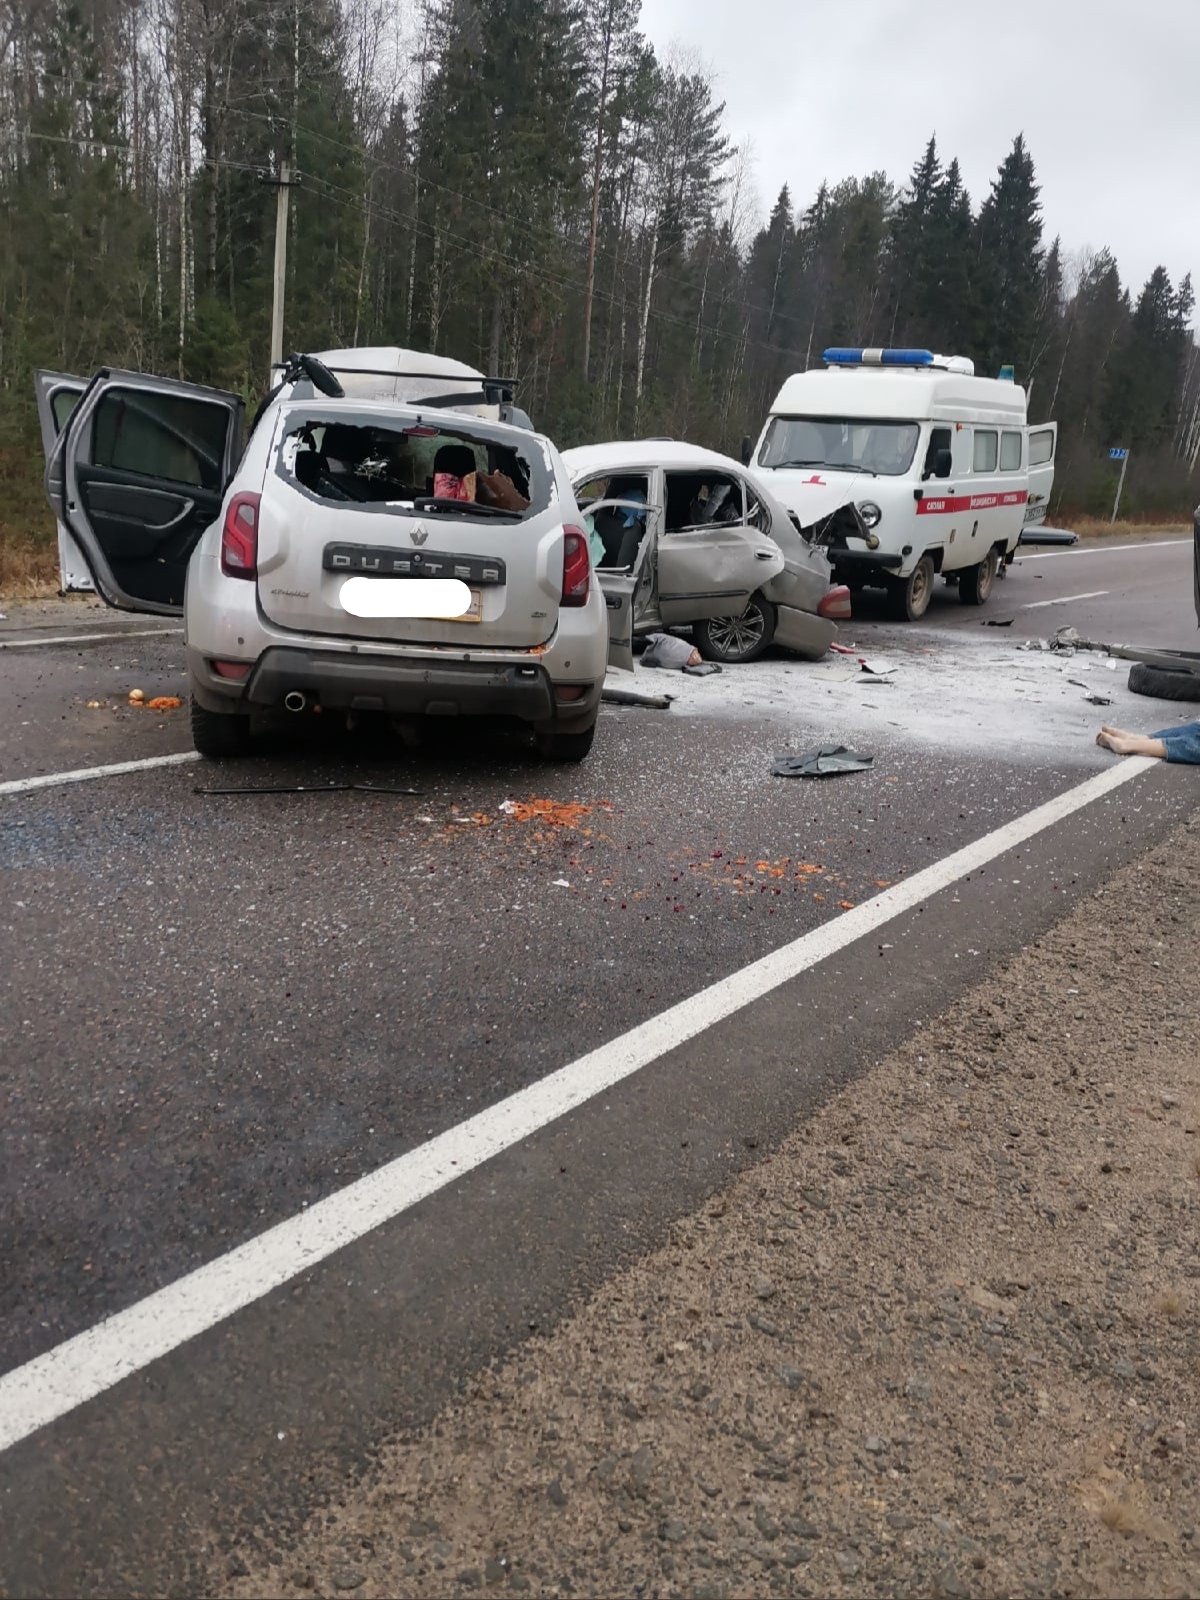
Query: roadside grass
<point x="28" y="545"/>
<point x="1100" y="528"/>
<point x="28" y="567"/>
<point x="1169" y="1303"/>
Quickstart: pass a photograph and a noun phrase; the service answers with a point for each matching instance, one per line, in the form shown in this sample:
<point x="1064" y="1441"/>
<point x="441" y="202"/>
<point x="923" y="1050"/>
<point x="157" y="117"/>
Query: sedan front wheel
<point x="737" y="639"/>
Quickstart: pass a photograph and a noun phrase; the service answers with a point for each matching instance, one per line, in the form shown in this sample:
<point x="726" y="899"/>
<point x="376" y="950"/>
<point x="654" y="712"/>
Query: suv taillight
<point x="239" y="537"/>
<point x="577" y="568"/>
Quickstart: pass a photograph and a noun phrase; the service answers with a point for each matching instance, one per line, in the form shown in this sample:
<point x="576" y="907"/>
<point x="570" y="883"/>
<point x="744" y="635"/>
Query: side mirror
<point x="747" y="450"/>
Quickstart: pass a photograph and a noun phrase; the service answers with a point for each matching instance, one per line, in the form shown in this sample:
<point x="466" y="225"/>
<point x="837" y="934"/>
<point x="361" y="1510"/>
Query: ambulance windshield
<point x="840" y="444"/>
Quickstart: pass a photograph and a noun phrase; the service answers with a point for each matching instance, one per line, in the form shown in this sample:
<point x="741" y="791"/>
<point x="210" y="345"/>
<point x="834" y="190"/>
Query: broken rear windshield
<point x="418" y="467"/>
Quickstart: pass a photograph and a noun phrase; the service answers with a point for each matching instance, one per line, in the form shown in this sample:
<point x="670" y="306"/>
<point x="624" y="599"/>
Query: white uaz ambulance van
<point x="905" y="465"/>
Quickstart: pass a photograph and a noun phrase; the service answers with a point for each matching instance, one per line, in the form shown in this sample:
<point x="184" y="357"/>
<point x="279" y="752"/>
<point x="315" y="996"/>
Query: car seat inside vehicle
<point x="621" y="528"/>
<point x="699" y="500"/>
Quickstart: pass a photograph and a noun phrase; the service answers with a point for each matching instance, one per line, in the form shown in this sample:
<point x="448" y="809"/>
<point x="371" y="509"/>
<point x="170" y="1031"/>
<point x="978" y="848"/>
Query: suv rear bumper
<point x="341" y="681"/>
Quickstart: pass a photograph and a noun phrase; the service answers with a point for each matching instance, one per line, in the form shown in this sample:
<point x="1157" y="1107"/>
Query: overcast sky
<point x="1107" y="93"/>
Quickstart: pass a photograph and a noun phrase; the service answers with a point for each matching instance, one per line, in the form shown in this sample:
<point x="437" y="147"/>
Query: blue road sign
<point x="1117" y="454"/>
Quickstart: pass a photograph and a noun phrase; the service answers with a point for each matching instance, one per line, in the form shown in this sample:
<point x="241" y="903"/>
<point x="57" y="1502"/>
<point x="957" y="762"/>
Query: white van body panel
<point x="956" y="519"/>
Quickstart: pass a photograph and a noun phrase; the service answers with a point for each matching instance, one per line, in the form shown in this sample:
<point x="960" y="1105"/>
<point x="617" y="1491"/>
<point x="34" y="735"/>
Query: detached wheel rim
<point x="733" y="637"/>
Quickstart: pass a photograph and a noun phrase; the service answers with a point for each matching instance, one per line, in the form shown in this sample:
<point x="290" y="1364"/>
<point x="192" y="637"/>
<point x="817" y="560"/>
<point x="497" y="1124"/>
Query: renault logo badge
<point x="418" y="533"/>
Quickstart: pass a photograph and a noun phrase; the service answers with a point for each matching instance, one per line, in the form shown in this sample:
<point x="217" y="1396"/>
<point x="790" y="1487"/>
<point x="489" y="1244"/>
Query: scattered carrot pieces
<point x="164" y="702"/>
<point x="845" y="905"/>
<point x="558" y="813"/>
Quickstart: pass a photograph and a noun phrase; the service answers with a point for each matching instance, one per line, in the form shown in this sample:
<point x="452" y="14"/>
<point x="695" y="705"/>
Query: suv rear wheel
<point x="219" y="734"/>
<point x="565" y="747"/>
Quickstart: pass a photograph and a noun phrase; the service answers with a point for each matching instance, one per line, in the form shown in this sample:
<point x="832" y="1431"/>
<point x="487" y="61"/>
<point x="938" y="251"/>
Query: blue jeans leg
<point x="1183" y="743"/>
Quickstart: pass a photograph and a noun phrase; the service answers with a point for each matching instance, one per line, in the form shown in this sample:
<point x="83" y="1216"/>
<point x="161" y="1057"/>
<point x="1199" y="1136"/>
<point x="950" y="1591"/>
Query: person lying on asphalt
<point x="1172" y="744"/>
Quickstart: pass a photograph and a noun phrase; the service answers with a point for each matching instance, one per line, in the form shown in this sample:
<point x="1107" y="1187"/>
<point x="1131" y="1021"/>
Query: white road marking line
<point x="83" y="774"/>
<point x="83" y="1367"/>
<point x="1106" y="550"/>
<point x="89" y="638"/>
<point x="1064" y="599"/>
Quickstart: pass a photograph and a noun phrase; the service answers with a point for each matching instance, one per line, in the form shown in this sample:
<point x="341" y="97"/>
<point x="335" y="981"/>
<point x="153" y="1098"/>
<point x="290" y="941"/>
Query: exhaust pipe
<point x="295" y="700"/>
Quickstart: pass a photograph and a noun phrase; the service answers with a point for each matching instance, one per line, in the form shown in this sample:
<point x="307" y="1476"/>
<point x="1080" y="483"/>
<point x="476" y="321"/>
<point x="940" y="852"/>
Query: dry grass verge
<point x="1101" y="528"/>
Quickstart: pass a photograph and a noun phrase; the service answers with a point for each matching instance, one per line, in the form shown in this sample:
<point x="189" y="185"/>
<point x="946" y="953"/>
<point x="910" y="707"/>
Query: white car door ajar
<point x="57" y="393"/>
<point x="623" y="535"/>
<point x="136" y="474"/>
<point x="710" y="560"/>
<point x="1040" y="448"/>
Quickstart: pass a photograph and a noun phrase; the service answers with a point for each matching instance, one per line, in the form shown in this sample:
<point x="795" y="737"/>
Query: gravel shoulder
<point x="944" y="1342"/>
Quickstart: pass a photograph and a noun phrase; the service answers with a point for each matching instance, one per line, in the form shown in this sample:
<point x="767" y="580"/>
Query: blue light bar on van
<point x="878" y="358"/>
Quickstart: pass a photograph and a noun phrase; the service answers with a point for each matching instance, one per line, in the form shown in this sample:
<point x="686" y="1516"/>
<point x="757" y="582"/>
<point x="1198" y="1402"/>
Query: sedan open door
<point x="136" y="473"/>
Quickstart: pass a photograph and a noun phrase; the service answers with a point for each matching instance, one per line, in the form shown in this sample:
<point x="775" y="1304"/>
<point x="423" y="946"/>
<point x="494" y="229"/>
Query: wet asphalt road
<point x="219" y="1009"/>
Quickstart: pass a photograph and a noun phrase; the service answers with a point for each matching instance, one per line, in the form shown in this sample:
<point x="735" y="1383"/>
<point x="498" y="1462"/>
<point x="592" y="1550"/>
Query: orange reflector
<point x="237" y="670"/>
<point x="565" y="692"/>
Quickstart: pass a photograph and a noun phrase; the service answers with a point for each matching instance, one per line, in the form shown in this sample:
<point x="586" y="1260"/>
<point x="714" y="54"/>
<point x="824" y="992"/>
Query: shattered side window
<point x="414" y="468"/>
<point x="702" y="500"/>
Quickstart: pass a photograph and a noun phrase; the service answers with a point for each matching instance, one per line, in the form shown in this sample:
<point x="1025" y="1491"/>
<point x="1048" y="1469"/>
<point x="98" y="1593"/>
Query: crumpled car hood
<point x="813" y="494"/>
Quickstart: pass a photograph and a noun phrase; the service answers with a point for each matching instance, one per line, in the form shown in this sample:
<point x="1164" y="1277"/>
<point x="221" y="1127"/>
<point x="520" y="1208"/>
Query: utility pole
<point x="283" y="187"/>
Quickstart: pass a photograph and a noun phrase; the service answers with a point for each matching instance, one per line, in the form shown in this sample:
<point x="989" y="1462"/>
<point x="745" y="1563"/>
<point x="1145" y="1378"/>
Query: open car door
<point x="1041" y="445"/>
<point x="711" y="568"/>
<point x="136" y="473"/>
<point x="57" y="393"/>
<point x="628" y="587"/>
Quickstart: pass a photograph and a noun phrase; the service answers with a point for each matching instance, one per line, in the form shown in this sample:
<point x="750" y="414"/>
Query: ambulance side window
<point x="937" y="461"/>
<point x="1010" y="452"/>
<point x="984" y="458"/>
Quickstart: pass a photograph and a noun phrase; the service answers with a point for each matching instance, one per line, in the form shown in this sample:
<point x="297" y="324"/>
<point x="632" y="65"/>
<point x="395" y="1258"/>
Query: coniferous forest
<point x="528" y="186"/>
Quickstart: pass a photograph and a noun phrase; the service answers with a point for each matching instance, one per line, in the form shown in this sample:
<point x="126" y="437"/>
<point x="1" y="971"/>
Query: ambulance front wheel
<point x="975" y="583"/>
<point x="909" y="597"/>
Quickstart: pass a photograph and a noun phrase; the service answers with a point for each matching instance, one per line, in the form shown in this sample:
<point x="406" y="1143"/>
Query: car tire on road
<point x="975" y="583"/>
<point x="737" y="639"/>
<point x="908" y="598"/>
<point x="565" y="747"/>
<point x="1164" y="683"/>
<point x="220" y="734"/>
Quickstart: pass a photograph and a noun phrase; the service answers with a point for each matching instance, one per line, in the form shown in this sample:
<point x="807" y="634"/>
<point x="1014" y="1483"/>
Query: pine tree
<point x="1008" y="261"/>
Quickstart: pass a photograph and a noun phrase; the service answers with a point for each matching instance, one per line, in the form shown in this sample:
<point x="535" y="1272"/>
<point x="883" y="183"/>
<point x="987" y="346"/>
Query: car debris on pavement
<point x="670" y="651"/>
<point x="826" y="761"/>
<point x="309" y="788"/>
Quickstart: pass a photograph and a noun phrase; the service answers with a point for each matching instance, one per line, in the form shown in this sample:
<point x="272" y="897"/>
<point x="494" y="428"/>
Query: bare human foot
<point x="1130" y="744"/>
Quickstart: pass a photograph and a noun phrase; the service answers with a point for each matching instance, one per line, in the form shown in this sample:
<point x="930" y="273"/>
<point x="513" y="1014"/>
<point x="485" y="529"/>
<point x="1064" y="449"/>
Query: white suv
<point x="296" y="561"/>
